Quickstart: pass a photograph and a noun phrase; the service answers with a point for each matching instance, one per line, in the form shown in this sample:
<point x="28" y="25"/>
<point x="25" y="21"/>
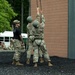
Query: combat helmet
<point x="29" y="19"/>
<point x="35" y="23"/>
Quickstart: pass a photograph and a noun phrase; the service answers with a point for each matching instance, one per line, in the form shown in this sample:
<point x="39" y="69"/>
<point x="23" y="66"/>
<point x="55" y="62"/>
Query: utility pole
<point x="30" y="7"/>
<point x="22" y="16"/>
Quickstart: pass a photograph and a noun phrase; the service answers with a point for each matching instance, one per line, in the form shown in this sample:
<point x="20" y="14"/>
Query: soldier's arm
<point x="21" y="39"/>
<point x="42" y="20"/>
<point x="38" y="11"/>
<point x="42" y="16"/>
<point x="19" y="33"/>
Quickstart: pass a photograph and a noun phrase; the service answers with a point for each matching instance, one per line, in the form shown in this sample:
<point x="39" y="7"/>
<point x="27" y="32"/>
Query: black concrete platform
<point x="61" y="66"/>
<point x="7" y="55"/>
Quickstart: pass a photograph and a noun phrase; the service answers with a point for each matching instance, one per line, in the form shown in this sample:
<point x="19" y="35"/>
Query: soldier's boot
<point x="28" y="61"/>
<point x="35" y="65"/>
<point x="49" y="64"/>
<point x="14" y="62"/>
<point x="18" y="63"/>
<point x="41" y="60"/>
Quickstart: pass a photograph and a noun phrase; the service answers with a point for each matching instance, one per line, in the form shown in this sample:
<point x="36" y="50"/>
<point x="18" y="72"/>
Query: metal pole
<point x="29" y="7"/>
<point x="21" y="15"/>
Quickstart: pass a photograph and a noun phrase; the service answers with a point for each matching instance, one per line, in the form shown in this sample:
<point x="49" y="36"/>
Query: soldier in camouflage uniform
<point x="40" y="18"/>
<point x="39" y="40"/>
<point x="17" y="43"/>
<point x="30" y="41"/>
<point x="30" y="38"/>
<point x="3" y="46"/>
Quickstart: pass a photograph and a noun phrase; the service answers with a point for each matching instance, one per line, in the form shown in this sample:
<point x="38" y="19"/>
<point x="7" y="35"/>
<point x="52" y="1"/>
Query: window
<point x="6" y="39"/>
<point x="0" y="42"/>
<point x="1" y="38"/>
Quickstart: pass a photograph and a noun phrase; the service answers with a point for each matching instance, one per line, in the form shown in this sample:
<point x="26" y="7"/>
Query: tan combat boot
<point x="35" y="65"/>
<point x="41" y="60"/>
<point x="28" y="61"/>
<point x="18" y="63"/>
<point x="49" y="64"/>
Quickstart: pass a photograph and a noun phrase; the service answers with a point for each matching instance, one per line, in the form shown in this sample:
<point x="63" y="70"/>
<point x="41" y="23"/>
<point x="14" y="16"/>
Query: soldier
<point x="39" y="43"/>
<point x="17" y="43"/>
<point x="40" y="18"/>
<point x="30" y="38"/>
<point x="3" y="46"/>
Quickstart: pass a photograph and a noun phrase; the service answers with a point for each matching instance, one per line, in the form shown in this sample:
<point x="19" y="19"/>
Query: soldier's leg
<point x="16" y="57"/>
<point x="14" y="45"/>
<point x="17" y="53"/>
<point x="29" y="53"/>
<point x="41" y="56"/>
<point x="35" y="55"/>
<point x="46" y="55"/>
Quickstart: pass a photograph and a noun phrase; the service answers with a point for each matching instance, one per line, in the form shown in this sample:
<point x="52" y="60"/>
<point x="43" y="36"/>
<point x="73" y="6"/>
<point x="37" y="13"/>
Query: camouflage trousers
<point x="30" y="48"/>
<point x="11" y="47"/>
<point x="17" y="48"/>
<point x="40" y="44"/>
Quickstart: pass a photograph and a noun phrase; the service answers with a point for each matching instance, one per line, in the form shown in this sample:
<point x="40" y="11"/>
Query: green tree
<point x="6" y="14"/>
<point x="16" y="5"/>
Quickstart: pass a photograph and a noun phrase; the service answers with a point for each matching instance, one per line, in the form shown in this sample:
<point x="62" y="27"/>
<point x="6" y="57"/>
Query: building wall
<point x="56" y="29"/>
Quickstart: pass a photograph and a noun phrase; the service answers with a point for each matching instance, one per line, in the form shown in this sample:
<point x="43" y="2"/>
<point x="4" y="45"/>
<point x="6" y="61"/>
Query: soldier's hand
<point x="22" y="43"/>
<point x="12" y="40"/>
<point x="38" y="10"/>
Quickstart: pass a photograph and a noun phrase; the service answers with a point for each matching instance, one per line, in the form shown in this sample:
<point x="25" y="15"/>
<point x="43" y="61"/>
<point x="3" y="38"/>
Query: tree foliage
<point x="6" y="14"/>
<point x="16" y="5"/>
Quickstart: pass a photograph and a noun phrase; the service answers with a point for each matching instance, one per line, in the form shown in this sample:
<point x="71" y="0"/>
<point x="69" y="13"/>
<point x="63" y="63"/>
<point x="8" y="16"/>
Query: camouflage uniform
<point x="39" y="42"/>
<point x="30" y="40"/>
<point x="11" y="47"/>
<point x="17" y="48"/>
<point x="22" y="47"/>
<point x="42" y="29"/>
<point x="17" y="43"/>
<point x="42" y="25"/>
<point x="3" y="46"/>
